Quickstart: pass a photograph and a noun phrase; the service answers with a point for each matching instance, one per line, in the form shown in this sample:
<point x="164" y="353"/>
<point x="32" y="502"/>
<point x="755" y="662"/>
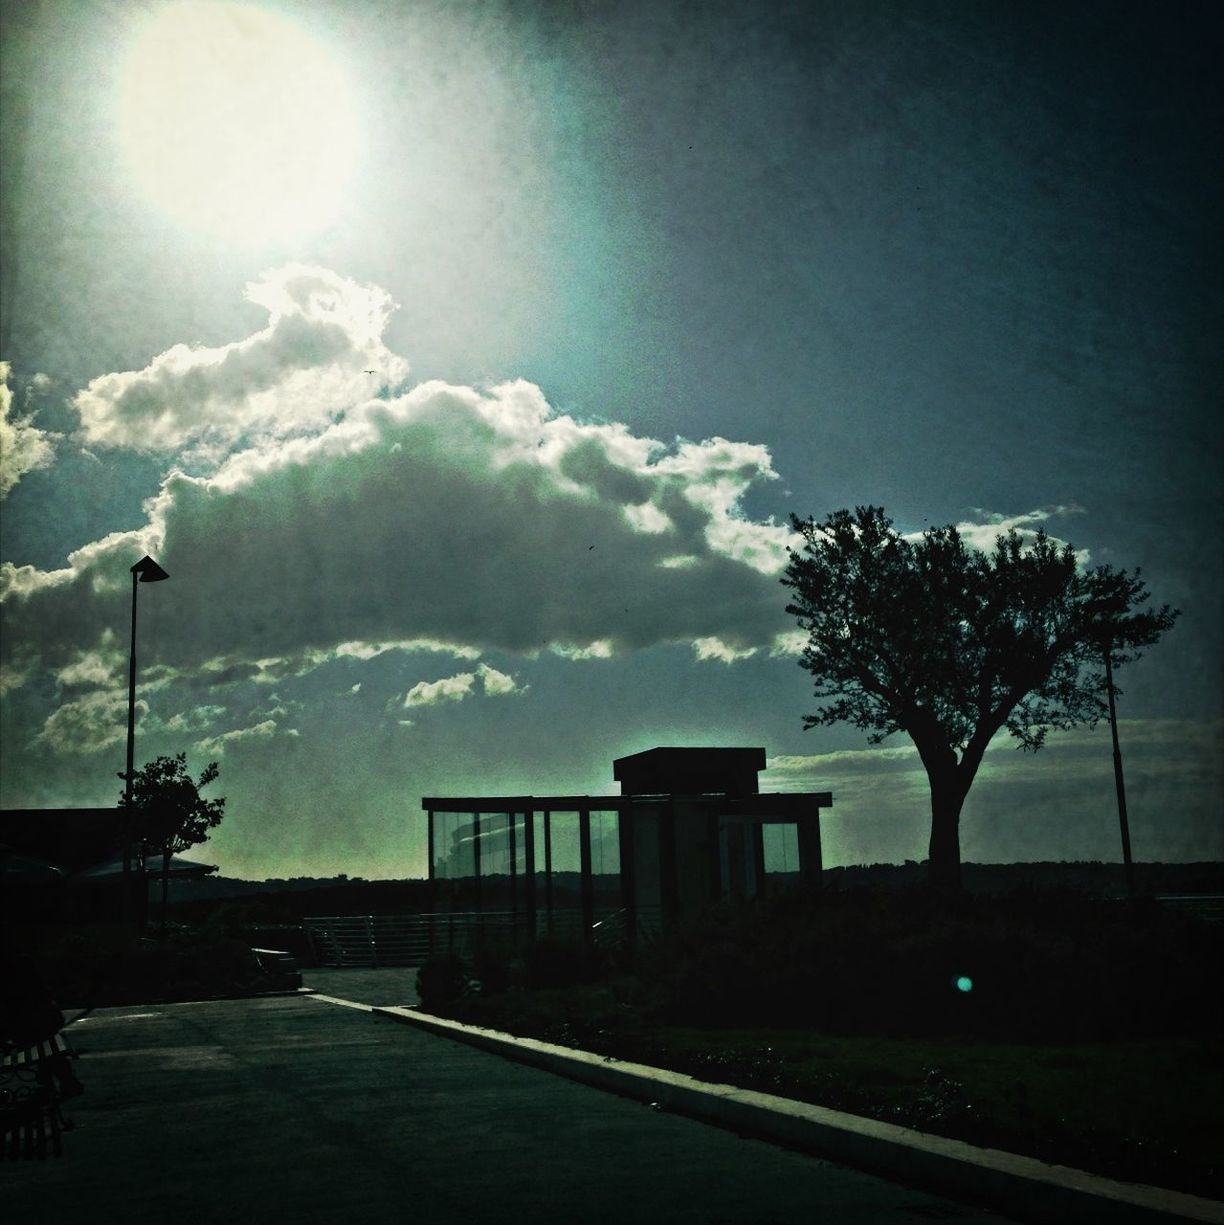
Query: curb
<point x="1014" y="1185"/>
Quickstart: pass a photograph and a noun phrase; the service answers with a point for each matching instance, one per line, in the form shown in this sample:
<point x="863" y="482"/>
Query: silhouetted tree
<point x="170" y="815"/>
<point x="929" y="636"/>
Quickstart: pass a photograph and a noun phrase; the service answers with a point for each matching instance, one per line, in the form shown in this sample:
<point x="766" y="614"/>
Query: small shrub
<point x="493" y="965"/>
<point x="553" y="962"/>
<point x="442" y="980"/>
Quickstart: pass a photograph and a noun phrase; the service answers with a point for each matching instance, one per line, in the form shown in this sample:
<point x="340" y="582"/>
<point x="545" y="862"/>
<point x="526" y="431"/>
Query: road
<point x="290" y="1107"/>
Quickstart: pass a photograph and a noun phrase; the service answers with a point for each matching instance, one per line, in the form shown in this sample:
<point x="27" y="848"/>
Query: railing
<point x="1206" y="906"/>
<point x="409" y="940"/>
<point x="402" y="940"/>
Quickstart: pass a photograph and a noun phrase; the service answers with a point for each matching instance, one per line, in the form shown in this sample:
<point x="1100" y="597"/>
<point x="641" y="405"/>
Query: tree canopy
<point x="171" y="815"/>
<point x="926" y="635"/>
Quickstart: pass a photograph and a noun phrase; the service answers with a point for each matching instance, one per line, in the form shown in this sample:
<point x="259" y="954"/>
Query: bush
<point x="1030" y="965"/>
<point x="442" y="980"/>
<point x="494" y="965"/>
<point x="554" y="962"/>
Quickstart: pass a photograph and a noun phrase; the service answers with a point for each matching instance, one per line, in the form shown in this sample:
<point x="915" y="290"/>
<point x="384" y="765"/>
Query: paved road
<point x="289" y="1107"/>
<point x="389" y="985"/>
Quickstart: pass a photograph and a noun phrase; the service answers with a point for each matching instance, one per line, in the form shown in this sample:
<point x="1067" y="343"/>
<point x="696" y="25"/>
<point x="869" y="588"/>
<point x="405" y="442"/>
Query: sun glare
<point x="237" y="122"/>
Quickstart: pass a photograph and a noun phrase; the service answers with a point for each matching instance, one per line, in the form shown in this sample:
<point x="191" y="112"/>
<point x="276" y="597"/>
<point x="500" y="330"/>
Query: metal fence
<point x="409" y="940"/>
<point x="1206" y="906"/>
<point x="401" y="940"/>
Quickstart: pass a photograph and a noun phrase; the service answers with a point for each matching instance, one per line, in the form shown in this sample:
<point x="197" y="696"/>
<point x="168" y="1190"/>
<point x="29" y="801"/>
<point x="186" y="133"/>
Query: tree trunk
<point x="947" y="798"/>
<point x="165" y="886"/>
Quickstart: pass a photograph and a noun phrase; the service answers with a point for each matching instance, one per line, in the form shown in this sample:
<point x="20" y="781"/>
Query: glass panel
<point x="566" y="869"/>
<point x="453" y="845"/>
<point x="520" y="844"/>
<point x="605" y="861"/>
<point x="566" y="853"/>
<point x="605" y="844"/>
<point x="781" y="847"/>
<point x="494" y="845"/>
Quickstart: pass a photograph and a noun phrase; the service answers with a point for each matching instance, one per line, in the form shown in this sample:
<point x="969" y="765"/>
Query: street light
<point x="1119" y="785"/>
<point x="146" y="570"/>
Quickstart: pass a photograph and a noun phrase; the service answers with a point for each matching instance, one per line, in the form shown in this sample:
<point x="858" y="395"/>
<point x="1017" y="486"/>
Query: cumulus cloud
<point x="312" y="360"/>
<point x="23" y="446"/>
<point x="441" y="518"/>
<point x="462" y="685"/>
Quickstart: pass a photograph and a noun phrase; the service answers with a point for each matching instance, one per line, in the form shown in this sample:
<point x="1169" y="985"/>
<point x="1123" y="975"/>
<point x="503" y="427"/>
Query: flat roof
<point x="749" y="805"/>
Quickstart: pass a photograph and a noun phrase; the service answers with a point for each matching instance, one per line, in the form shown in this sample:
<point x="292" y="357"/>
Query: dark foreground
<point x="254" y="1109"/>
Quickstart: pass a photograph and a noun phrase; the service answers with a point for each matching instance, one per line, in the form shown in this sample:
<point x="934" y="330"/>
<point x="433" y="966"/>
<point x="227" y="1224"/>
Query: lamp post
<point x="1120" y="786"/>
<point x="146" y="570"/>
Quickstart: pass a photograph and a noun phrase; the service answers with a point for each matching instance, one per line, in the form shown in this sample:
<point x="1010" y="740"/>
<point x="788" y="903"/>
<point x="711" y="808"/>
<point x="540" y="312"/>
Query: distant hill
<point x="1092" y="877"/>
<point x="288" y="901"/>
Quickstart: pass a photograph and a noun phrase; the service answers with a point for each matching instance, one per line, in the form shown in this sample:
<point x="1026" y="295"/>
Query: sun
<point x="237" y="122"/>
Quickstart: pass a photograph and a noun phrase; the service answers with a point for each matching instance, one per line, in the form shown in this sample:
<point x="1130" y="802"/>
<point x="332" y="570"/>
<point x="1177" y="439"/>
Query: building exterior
<point x="62" y="870"/>
<point x="689" y="828"/>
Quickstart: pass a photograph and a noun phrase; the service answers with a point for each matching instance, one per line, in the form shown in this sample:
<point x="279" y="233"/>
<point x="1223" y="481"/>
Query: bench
<point x="280" y="968"/>
<point x="31" y="1114"/>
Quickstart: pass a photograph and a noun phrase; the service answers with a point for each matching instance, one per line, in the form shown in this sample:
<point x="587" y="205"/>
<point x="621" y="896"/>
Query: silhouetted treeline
<point x="280" y="900"/>
<point x="291" y="901"/>
<point x="1089" y="877"/>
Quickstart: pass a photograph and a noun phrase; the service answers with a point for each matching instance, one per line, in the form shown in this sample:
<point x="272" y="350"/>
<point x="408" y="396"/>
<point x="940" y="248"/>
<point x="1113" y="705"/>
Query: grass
<point x="1139" y="1110"/>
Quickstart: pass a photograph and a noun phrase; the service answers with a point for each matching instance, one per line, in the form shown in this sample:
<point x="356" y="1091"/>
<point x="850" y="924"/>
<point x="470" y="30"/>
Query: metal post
<point x="669" y="892"/>
<point x="1118" y="782"/>
<point x="476" y="863"/>
<point x="586" y="882"/>
<point x="529" y="882"/>
<point x="628" y="871"/>
<point x="431" y="851"/>
<point x="548" y="884"/>
<point x="131" y="726"/>
<point x="756" y="833"/>
<point x="126" y="905"/>
<point x="513" y="844"/>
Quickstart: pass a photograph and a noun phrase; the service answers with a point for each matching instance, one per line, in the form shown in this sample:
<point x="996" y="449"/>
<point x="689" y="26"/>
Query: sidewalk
<point x="260" y="1109"/>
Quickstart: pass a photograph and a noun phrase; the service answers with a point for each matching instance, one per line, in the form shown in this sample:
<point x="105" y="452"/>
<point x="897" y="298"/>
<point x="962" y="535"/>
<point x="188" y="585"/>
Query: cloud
<point x="601" y="649"/>
<point x="713" y="647"/>
<point x="448" y="689"/>
<point x="23" y="447"/>
<point x="99" y="667"/>
<point x="324" y="334"/>
<point x="441" y="518"/>
<point x="982" y="533"/>
<point x="265" y="730"/>
<point x="198" y="719"/>
<point x="456" y="688"/>
<point x="89" y="723"/>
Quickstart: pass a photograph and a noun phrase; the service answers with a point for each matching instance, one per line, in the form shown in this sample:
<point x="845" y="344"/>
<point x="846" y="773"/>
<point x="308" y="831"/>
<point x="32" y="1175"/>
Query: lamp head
<point x="148" y="571"/>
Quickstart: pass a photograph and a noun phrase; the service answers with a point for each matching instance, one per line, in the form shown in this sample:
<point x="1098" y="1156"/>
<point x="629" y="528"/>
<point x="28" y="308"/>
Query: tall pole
<point x="128" y="773"/>
<point x="146" y="570"/>
<point x="131" y="730"/>
<point x="1118" y="782"/>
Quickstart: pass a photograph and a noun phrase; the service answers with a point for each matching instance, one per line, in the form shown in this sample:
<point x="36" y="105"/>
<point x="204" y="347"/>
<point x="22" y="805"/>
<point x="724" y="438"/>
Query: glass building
<point x="689" y="828"/>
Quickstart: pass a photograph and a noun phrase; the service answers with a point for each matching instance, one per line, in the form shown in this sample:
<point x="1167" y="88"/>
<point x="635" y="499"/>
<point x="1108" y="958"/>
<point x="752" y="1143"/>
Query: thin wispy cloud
<point x="265" y="730"/>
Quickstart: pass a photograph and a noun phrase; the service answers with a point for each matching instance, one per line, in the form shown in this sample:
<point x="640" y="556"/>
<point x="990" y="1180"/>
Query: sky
<point x="462" y="364"/>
